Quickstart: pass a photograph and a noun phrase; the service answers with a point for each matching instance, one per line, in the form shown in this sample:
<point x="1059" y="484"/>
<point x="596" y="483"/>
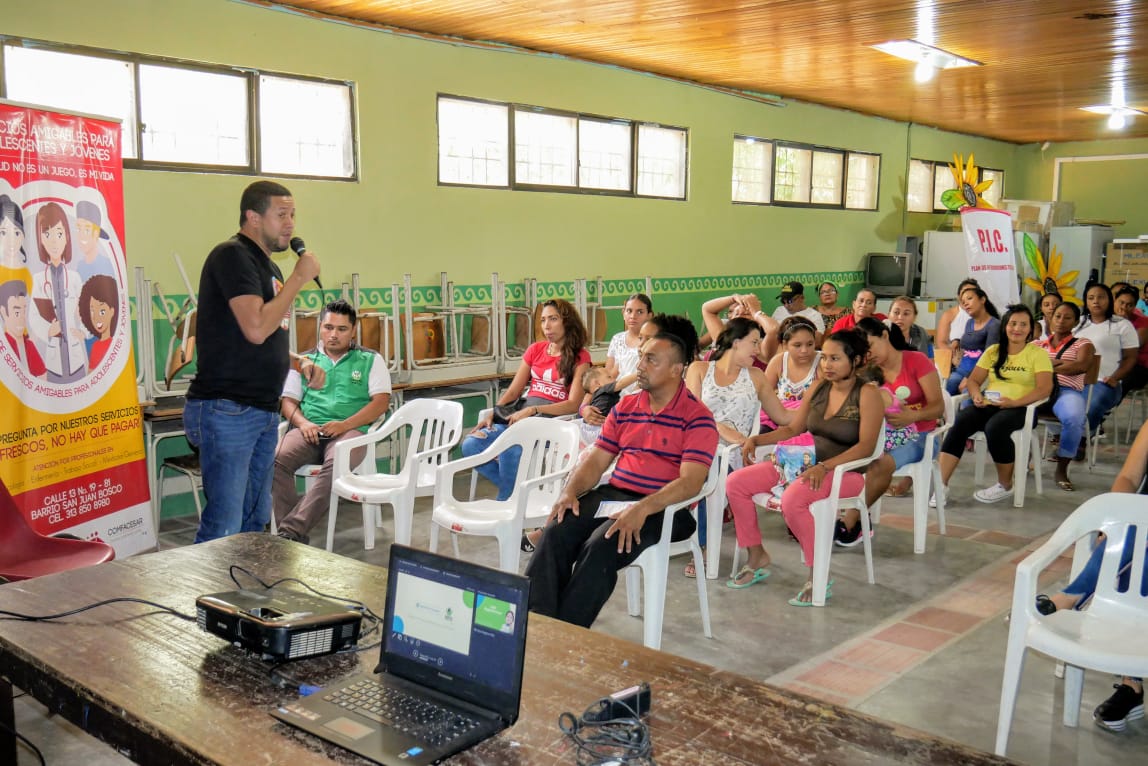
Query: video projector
<point x="279" y="624"/>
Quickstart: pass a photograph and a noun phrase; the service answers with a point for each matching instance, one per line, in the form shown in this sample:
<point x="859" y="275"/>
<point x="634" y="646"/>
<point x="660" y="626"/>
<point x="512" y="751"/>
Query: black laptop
<point x="450" y="674"/>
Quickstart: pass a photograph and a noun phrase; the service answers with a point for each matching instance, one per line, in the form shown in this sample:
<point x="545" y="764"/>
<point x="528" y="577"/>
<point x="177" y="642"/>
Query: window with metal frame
<point x="181" y="115"/>
<point x="752" y="169"/>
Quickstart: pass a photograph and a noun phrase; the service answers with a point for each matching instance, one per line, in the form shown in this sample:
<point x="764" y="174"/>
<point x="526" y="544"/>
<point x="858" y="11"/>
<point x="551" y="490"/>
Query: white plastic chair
<point x="926" y="474"/>
<point x="1138" y="396"/>
<point x="715" y="505"/>
<point x="1022" y="440"/>
<point x="1108" y="635"/>
<point x="435" y="428"/>
<point x="549" y="447"/>
<point x="825" y="513"/>
<point x="653" y="566"/>
<point x="483" y="414"/>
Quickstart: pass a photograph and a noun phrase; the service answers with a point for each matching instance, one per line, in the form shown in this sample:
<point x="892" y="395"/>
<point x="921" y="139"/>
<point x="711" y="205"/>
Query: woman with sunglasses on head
<point x="981" y="331"/>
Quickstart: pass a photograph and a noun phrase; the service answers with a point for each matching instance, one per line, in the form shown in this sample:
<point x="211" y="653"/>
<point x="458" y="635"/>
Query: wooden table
<point x="161" y="691"/>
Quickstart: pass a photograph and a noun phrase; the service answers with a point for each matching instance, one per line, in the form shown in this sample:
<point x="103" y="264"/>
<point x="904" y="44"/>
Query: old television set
<point x="891" y="274"/>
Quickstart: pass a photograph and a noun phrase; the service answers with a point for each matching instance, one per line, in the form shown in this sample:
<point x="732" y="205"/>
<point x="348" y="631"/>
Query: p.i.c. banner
<point x="989" y="249"/>
<point x="71" y="438"/>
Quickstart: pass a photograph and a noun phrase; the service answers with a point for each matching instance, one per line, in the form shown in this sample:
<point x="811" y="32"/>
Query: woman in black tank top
<point x="844" y="417"/>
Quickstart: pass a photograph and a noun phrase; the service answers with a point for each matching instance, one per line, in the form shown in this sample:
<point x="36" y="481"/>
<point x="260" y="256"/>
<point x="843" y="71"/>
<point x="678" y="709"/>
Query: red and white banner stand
<point x="71" y="436"/>
<point x="989" y="249"/>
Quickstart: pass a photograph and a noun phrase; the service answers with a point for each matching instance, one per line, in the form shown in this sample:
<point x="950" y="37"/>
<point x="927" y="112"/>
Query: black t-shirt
<point x="605" y="398"/>
<point x="229" y="366"/>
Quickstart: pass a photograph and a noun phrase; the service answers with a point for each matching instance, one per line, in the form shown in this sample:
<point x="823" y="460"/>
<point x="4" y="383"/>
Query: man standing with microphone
<point x="232" y="409"/>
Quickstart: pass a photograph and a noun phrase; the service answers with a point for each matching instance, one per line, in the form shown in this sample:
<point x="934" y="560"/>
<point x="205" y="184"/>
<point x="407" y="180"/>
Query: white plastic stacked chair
<point x="654" y="566"/>
<point x="549" y="447"/>
<point x="435" y="428"/>
<point x="1108" y="635"/>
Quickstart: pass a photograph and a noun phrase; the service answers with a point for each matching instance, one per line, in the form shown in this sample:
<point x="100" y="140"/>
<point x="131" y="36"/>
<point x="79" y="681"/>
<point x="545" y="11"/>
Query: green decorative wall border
<point x="380" y="297"/>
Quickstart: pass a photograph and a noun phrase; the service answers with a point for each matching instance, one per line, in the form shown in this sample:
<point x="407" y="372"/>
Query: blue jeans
<point x="1069" y="410"/>
<point x="1104" y="398"/>
<point x="1085" y="583"/>
<point x="503" y="470"/>
<point x="236" y="445"/>
<point x="953" y="382"/>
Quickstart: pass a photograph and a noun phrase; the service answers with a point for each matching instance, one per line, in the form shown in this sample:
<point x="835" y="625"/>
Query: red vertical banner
<point x="71" y="435"/>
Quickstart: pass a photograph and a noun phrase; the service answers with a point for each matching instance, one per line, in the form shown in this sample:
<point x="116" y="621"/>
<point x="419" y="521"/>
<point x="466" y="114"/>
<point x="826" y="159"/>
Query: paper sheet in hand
<point x="611" y="509"/>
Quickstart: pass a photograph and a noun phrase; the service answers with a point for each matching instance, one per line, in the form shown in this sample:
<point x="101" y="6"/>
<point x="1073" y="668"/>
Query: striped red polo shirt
<point x="651" y="447"/>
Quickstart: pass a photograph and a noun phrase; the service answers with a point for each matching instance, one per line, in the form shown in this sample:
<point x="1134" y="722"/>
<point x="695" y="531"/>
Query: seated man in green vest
<point x="355" y="395"/>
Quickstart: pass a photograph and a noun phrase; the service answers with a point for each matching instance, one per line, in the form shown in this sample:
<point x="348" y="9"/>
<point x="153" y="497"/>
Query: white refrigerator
<point x="944" y="264"/>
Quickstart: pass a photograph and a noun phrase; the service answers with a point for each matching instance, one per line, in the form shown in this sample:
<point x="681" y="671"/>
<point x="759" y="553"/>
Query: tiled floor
<point x="923" y="647"/>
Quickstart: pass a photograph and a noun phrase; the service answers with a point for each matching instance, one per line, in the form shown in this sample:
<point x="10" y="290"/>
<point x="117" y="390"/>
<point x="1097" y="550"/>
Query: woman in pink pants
<point x="844" y="417"/>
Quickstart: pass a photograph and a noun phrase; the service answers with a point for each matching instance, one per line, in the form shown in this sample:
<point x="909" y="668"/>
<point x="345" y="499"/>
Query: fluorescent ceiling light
<point x="1111" y="109"/>
<point x="920" y="53"/>
<point x="1118" y="114"/>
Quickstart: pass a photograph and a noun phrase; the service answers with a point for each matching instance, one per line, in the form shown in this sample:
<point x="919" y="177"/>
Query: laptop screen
<point x="456" y="626"/>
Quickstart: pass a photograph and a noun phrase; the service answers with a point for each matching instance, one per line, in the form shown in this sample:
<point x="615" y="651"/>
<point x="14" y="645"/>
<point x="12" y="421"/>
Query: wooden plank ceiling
<point x="1042" y="59"/>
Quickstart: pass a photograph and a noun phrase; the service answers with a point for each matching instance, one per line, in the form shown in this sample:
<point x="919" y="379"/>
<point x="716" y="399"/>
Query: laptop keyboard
<point x="424" y="720"/>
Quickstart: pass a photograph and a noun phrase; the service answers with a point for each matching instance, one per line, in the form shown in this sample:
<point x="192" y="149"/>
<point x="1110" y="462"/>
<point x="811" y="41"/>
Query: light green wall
<point x="396" y="219"/>
<point x="1110" y="189"/>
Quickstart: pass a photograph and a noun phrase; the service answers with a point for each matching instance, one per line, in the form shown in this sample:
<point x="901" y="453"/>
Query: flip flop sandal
<point x="759" y="575"/>
<point x="1066" y="485"/>
<point x="898" y="491"/>
<point x="796" y="600"/>
<point x="525" y="544"/>
<point x="690" y="571"/>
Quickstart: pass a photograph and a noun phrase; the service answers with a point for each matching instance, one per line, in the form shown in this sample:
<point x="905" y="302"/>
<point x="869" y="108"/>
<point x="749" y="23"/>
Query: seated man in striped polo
<point x="664" y="440"/>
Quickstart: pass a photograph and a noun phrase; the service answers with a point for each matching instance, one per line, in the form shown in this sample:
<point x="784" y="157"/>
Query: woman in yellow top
<point x="1008" y="377"/>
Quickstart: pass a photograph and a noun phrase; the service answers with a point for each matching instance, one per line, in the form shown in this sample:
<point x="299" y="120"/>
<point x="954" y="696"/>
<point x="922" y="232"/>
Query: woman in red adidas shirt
<point x="550" y="376"/>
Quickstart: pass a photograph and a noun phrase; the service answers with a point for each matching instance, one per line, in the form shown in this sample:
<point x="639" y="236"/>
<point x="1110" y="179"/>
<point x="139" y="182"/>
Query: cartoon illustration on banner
<point x="71" y="444"/>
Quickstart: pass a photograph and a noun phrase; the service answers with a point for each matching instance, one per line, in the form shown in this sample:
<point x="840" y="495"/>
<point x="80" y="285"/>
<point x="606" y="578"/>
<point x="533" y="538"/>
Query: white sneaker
<point x="944" y="496"/>
<point x="993" y="494"/>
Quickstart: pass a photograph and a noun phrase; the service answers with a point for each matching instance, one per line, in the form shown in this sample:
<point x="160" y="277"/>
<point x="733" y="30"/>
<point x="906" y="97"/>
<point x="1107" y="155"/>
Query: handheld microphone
<point x="299" y="247"/>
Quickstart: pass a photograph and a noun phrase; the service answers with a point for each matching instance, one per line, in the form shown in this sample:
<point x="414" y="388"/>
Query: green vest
<point x="346" y="389"/>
